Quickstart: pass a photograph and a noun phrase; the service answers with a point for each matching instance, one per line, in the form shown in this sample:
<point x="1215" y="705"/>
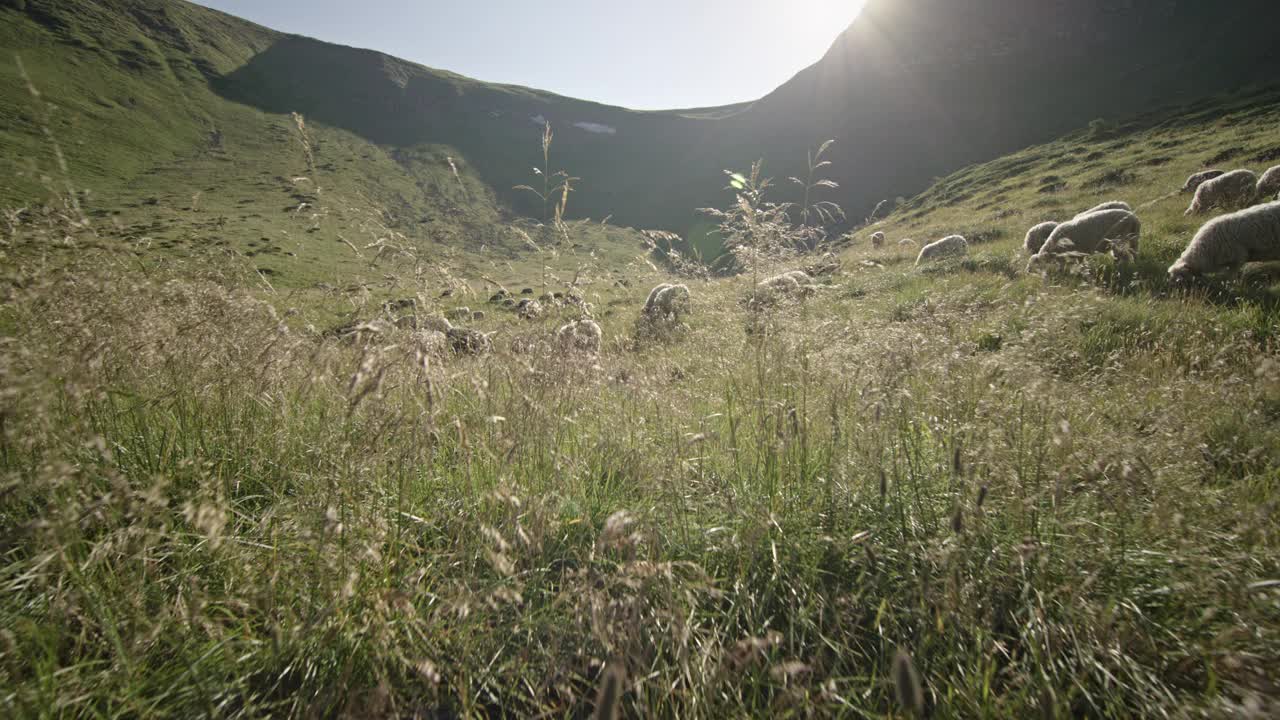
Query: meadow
<point x="950" y="491"/>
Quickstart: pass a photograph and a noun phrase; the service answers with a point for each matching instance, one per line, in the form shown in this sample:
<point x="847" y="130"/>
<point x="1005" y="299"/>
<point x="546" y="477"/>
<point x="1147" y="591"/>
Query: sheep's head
<point x="1180" y="275"/>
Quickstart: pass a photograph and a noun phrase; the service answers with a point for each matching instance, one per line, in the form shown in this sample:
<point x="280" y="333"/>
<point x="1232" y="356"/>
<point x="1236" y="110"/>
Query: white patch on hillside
<point x="596" y="128"/>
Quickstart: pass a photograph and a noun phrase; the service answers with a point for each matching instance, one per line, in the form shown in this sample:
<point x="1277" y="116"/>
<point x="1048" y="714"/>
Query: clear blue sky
<point x="644" y="54"/>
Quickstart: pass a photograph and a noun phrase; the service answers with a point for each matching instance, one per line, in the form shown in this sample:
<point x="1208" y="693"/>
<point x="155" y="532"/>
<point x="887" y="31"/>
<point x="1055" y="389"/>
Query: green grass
<point x="1038" y="497"/>
<point x="1055" y="495"/>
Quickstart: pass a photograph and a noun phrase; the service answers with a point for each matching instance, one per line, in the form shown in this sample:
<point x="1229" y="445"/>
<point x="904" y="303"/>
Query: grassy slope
<point x="1057" y="495"/>
<point x="163" y="163"/>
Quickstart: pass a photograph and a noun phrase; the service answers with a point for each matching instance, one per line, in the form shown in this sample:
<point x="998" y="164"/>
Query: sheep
<point x="460" y="313"/>
<point x="1037" y="235"/>
<point x="1232" y="190"/>
<point x="465" y="341"/>
<point x="788" y="284"/>
<point x="435" y="323"/>
<point x="666" y="302"/>
<point x="1200" y="178"/>
<point x="431" y="342"/>
<point x="582" y="335"/>
<point x="908" y="242"/>
<point x="529" y="309"/>
<point x="1110" y="205"/>
<point x="828" y="264"/>
<point x="1229" y="241"/>
<point x="1089" y="233"/>
<point x="877" y="239"/>
<point x="947" y="246"/>
<point x="1269" y="183"/>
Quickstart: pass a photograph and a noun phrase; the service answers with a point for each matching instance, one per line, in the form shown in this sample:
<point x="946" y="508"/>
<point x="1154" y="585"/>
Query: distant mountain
<point x="912" y="90"/>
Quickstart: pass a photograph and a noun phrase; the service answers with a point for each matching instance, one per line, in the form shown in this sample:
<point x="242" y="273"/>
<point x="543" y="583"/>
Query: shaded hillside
<point x="922" y="87"/>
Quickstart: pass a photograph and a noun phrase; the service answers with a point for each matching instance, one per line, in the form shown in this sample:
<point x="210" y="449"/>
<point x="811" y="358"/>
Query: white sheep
<point x="792" y="282"/>
<point x="1037" y="236"/>
<point x="582" y="335"/>
<point x="435" y="323"/>
<point x="666" y="302"/>
<point x="1269" y="182"/>
<point x="1090" y="233"/>
<point x="431" y="342"/>
<point x="877" y="239"/>
<point x="1232" y="190"/>
<point x="1195" y="181"/>
<point x="947" y="246"/>
<point x="1229" y="241"/>
<point x="1110" y="205"/>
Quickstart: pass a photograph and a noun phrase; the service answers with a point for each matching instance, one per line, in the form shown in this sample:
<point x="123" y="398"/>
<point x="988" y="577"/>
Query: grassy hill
<point x="913" y="90"/>
<point x="157" y="160"/>
<point x="951" y="491"/>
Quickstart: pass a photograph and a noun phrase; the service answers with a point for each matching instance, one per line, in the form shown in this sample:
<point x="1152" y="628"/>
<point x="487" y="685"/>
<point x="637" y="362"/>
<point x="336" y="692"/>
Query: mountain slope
<point x="157" y="158"/>
<point x="912" y="90"/>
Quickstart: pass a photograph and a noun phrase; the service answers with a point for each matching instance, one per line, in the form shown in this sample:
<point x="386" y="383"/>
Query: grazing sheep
<point x="465" y="341"/>
<point x="435" y="323"/>
<point x="1269" y="183"/>
<point x="477" y="315"/>
<point x="947" y="246"/>
<point x="1200" y="178"/>
<point x="431" y="342"/>
<point x="828" y="264"/>
<point x="789" y="284"/>
<point x="1232" y="190"/>
<point x="1229" y="241"/>
<point x="877" y="239"/>
<point x="666" y="302"/>
<point x="1089" y="233"/>
<point x="581" y="335"/>
<point x="461" y="313"/>
<point x="1037" y="235"/>
<point x="1110" y="205"/>
<point x="526" y="291"/>
<point x="529" y="309"/>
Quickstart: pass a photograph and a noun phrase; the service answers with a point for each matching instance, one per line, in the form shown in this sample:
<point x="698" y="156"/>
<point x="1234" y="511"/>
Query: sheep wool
<point x="435" y="323"/>
<point x="1200" y="178"/>
<point x="581" y="335"/>
<point x="666" y="301"/>
<point x="946" y="247"/>
<point x="1089" y="233"/>
<point x="1037" y="236"/>
<point x="877" y="239"/>
<point x="1229" y="241"/>
<point x="1269" y="184"/>
<point x="1111" y="205"/>
<point x="1232" y="190"/>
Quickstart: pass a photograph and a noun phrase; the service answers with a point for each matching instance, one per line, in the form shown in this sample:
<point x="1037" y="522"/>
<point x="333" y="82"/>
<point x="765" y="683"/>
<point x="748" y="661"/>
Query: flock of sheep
<point x="1226" y="242"/>
<point x="1247" y="235"/>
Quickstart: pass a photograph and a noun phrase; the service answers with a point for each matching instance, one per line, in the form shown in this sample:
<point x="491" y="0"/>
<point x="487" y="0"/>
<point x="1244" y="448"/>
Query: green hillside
<point x="951" y="491"/>
<point x="243" y="474"/>
<point x="150" y="84"/>
<point x="159" y="160"/>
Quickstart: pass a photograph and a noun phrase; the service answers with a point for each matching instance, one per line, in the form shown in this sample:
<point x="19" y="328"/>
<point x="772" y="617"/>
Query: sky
<point x="641" y="54"/>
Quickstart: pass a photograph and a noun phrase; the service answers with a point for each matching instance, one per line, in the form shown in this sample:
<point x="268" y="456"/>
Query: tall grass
<point x="211" y="511"/>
